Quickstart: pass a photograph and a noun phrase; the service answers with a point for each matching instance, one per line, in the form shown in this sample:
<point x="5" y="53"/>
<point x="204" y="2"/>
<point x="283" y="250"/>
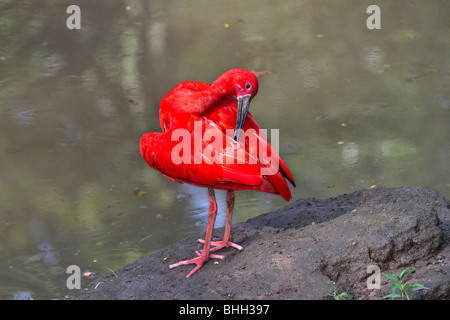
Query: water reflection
<point x="374" y="59"/>
<point x="21" y="113"/>
<point x="354" y="107"/>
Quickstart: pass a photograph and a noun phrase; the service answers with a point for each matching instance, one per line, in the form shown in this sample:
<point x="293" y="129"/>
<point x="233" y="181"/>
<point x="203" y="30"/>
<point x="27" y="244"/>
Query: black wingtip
<point x="289" y="179"/>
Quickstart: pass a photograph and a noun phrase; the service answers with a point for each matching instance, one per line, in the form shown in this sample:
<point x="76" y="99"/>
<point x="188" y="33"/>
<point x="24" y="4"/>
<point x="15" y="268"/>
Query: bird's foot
<point x="199" y="261"/>
<point x="217" y="245"/>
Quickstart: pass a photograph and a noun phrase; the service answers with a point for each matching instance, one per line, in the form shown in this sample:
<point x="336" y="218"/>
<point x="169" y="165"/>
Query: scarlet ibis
<point x="226" y="162"/>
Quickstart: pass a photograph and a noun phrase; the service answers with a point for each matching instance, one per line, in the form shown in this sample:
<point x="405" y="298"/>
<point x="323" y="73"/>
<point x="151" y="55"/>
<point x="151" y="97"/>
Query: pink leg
<point x="226" y="242"/>
<point x="205" y="254"/>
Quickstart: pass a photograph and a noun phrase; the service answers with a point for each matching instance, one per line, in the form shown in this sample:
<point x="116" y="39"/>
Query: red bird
<point x="210" y="119"/>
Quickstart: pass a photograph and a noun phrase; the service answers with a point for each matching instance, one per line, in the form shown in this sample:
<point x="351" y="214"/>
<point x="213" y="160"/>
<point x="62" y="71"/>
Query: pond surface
<point x="355" y="108"/>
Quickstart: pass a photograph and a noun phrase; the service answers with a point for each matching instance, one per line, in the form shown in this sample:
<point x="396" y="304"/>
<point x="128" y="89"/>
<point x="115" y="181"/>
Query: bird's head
<point x="244" y="82"/>
<point x="244" y="85"/>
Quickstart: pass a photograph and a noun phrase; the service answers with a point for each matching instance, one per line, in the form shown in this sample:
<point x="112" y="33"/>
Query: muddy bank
<point x="306" y="250"/>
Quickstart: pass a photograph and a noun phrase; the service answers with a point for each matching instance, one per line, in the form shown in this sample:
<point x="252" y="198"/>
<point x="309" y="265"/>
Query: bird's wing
<point x="224" y="114"/>
<point x="176" y="100"/>
<point x="204" y="157"/>
<point x="200" y="153"/>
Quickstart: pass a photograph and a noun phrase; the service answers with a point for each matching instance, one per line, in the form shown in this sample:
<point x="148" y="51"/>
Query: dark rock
<point x="306" y="250"/>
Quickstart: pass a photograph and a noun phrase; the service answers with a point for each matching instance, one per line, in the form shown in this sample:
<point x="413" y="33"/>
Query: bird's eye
<point x="248" y="85"/>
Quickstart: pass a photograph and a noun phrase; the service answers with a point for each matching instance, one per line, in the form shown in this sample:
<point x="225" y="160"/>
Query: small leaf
<point x="406" y="272"/>
<point x="261" y="72"/>
<point x="139" y="192"/>
<point x="392" y="295"/>
<point x="393" y="279"/>
<point x="418" y="286"/>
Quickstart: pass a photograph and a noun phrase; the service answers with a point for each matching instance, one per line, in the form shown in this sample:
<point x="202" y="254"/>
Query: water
<point x="356" y="108"/>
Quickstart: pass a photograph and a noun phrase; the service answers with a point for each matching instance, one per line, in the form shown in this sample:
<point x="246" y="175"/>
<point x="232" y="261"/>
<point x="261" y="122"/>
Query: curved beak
<point x="243" y="104"/>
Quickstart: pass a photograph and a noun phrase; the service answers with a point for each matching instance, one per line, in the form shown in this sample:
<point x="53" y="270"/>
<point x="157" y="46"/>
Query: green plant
<point x="341" y="295"/>
<point x="398" y="284"/>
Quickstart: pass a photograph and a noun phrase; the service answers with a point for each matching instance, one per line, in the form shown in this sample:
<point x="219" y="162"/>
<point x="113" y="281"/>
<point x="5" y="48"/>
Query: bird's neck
<point x="202" y="101"/>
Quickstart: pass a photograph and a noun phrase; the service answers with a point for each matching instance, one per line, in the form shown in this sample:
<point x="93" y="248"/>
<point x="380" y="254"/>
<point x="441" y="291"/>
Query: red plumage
<point x="198" y="111"/>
